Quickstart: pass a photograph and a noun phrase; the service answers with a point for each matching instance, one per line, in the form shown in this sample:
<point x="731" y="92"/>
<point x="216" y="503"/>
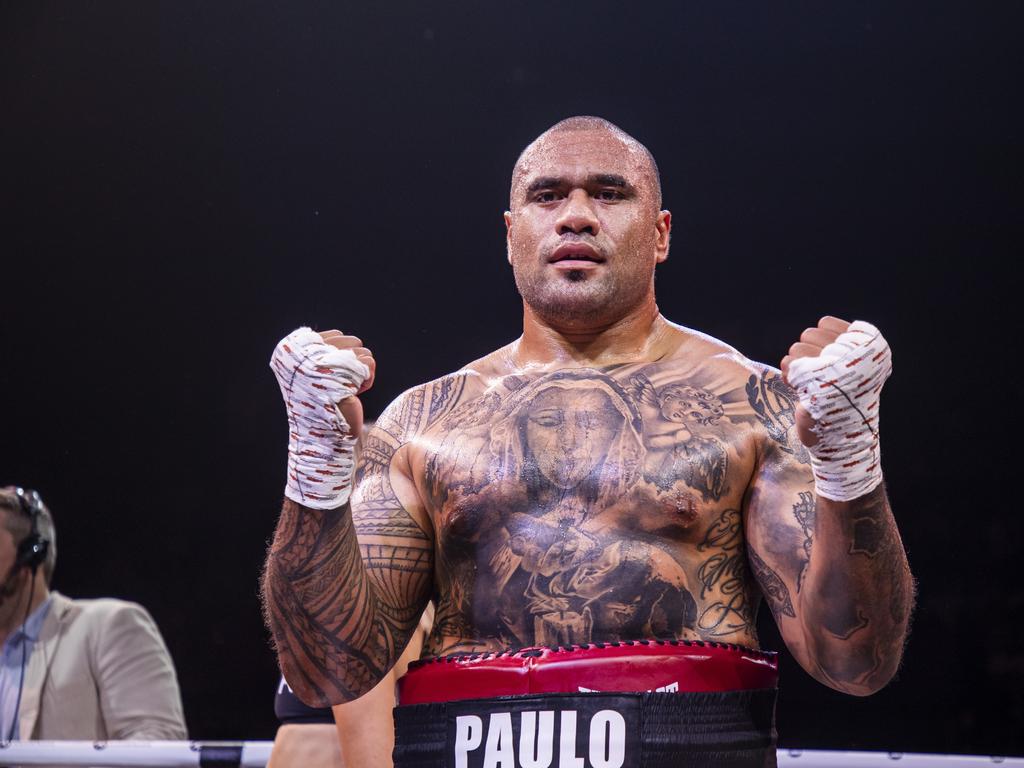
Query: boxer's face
<point x="584" y="229"/>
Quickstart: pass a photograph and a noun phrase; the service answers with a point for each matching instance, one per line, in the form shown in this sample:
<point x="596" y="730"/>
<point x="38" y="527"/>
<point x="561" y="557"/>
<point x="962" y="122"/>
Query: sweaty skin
<point x="607" y="476"/>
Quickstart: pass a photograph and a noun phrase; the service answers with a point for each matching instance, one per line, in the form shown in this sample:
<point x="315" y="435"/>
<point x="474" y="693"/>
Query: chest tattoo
<point x="592" y="504"/>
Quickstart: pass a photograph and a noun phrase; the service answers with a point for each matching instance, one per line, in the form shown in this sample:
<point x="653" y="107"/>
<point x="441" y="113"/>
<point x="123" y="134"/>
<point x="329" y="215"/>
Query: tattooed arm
<point x="834" y="574"/>
<point x="343" y="589"/>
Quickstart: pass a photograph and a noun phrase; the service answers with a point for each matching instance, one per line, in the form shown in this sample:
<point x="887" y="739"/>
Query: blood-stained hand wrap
<point x="840" y="388"/>
<point x="314" y="378"/>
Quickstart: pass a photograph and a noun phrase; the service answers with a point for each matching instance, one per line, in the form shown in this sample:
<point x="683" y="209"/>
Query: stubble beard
<point x="578" y="298"/>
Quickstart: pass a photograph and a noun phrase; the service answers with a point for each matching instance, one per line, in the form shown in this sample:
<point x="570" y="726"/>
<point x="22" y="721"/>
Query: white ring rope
<point x="254" y="754"/>
<point x="137" y="754"/>
<point x="816" y="758"/>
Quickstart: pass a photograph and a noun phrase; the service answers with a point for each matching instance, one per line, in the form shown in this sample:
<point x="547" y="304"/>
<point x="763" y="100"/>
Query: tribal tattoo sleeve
<point x="343" y="589"/>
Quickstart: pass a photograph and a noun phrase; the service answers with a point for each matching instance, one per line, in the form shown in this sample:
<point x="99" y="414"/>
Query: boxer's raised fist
<point x="351" y="408"/>
<point x="320" y="376"/>
<point x="837" y="370"/>
<point x="339" y="340"/>
<point x="812" y="342"/>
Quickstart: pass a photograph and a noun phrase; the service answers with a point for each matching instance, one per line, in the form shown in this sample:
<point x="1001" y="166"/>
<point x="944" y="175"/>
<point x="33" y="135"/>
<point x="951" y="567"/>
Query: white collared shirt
<point x="24" y="637"/>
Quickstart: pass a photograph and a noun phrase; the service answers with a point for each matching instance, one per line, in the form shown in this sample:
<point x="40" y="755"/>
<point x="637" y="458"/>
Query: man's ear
<point x="508" y="234"/>
<point x="664" y="226"/>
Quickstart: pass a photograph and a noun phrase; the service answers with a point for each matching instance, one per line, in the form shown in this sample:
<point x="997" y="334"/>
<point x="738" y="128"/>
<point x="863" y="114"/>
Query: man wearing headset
<point x="74" y="669"/>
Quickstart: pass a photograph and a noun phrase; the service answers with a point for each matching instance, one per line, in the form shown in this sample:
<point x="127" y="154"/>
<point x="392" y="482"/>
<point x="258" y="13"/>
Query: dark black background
<point x="184" y="182"/>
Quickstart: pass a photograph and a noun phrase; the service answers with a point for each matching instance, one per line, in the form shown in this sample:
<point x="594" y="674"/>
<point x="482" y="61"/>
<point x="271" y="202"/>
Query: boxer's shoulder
<point x="697" y="357"/>
<point x="753" y="395"/>
<point x="420" y="407"/>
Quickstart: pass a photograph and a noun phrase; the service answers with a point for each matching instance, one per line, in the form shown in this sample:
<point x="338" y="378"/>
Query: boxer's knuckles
<point x="833" y="324"/>
<point x="354" y="344"/>
<point x="818" y="337"/>
<point x="340" y="340"/>
<point x="803" y="349"/>
<point x="814" y="340"/>
<point x="811" y="343"/>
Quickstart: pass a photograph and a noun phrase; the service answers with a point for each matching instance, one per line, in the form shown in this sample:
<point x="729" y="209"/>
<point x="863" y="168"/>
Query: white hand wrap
<point x="840" y="388"/>
<point x="314" y="378"/>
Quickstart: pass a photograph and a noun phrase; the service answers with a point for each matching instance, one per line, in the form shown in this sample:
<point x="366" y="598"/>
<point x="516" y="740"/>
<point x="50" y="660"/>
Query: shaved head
<point x="582" y="123"/>
<point x="585" y="229"/>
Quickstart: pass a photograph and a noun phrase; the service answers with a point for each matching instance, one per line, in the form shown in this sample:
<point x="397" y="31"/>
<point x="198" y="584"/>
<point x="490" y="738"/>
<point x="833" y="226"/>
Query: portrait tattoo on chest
<point x="573" y="506"/>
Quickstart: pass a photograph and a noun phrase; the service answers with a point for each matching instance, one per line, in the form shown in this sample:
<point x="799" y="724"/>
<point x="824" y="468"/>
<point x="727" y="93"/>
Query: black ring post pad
<point x="734" y="729"/>
<point x="220" y="755"/>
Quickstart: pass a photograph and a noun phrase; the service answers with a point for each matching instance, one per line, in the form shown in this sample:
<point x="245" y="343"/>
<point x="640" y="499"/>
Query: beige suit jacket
<point x="100" y="671"/>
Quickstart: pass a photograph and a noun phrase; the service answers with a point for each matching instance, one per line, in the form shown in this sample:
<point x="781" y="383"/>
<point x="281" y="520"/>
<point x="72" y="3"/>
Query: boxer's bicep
<point x="779" y="527"/>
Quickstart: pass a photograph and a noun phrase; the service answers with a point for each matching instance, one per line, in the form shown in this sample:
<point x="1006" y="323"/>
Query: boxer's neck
<point x="638" y="336"/>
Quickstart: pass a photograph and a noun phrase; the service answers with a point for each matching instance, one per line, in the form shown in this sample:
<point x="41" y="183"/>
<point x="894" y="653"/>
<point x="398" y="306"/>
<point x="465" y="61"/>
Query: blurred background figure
<point x="74" y="669"/>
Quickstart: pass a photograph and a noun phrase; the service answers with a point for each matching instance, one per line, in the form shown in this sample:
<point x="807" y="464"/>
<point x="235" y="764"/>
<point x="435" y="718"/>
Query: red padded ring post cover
<point x="633" y="666"/>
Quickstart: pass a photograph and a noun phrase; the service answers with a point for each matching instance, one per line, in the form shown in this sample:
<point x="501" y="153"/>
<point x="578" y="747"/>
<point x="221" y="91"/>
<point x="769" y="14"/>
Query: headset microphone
<point x="32" y="551"/>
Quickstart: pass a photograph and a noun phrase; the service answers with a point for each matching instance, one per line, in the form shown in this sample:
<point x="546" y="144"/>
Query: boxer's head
<point x="585" y="229"/>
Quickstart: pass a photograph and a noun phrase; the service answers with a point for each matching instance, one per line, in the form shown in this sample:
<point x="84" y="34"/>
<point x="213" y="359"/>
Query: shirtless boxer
<point x="607" y="477"/>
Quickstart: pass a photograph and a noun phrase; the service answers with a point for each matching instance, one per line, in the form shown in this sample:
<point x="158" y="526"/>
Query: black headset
<point x="33" y="548"/>
<point x="31" y="554"/>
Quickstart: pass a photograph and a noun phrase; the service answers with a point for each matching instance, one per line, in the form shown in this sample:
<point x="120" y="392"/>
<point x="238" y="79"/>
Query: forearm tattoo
<point x="865" y="604"/>
<point x="835" y="577"/>
<point x="318" y="620"/>
<point x="341" y="609"/>
<point x="804" y="511"/>
<point x="774" y="588"/>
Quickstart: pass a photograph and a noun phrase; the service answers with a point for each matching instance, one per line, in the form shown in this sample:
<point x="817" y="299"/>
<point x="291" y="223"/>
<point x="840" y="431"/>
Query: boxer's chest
<point x="585" y="493"/>
<point x="638" y="449"/>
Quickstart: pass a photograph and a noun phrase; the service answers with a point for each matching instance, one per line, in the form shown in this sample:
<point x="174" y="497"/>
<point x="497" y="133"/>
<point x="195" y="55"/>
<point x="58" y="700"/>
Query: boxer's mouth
<point x="574" y="254"/>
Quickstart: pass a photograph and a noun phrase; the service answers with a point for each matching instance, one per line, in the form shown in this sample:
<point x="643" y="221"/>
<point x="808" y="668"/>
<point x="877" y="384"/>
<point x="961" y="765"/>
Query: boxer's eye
<point x="548" y="196"/>
<point x="609" y="195"/>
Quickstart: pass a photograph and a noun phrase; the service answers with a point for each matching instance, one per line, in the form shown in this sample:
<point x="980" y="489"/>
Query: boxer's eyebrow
<point x="544" y="182"/>
<point x="594" y="180"/>
<point x="612" y="180"/>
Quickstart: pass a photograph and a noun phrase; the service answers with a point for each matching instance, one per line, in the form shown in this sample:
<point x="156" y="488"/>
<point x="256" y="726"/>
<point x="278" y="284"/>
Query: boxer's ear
<point x="663" y="224"/>
<point x="508" y="235"/>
